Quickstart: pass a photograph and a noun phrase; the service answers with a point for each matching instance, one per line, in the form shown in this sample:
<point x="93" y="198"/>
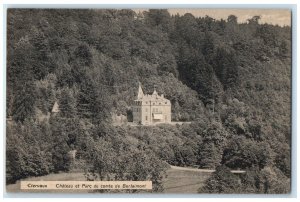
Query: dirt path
<point x="202" y="170"/>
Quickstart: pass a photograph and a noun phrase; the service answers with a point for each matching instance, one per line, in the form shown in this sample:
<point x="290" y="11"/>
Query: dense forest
<point x="231" y="80"/>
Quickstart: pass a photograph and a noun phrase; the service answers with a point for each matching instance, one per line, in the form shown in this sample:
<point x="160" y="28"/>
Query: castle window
<point x="166" y="103"/>
<point x="160" y="103"/>
<point x="146" y="118"/>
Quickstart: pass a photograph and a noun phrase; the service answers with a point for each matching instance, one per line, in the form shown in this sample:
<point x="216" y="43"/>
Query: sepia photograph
<point x="158" y="101"/>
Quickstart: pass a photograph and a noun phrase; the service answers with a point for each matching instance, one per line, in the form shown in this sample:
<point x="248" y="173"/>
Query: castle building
<point x="151" y="109"/>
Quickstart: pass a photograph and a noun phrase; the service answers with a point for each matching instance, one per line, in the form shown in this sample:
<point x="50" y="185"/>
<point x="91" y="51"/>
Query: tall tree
<point x="226" y="68"/>
<point x="221" y="181"/>
<point x="22" y="72"/>
<point x="67" y="103"/>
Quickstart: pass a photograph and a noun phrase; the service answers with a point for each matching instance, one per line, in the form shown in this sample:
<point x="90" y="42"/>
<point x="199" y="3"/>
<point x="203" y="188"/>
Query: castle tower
<point x="151" y="109"/>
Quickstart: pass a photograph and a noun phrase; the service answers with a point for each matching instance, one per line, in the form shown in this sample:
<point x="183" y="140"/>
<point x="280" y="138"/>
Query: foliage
<point x="243" y="153"/>
<point x="222" y="181"/>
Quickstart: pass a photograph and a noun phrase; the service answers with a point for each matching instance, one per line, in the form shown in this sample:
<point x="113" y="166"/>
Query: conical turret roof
<point x="140" y="92"/>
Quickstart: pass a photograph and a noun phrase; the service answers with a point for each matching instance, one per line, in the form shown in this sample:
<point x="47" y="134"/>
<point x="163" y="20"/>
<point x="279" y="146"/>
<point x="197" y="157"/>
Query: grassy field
<point x="176" y="181"/>
<point x="184" y="181"/>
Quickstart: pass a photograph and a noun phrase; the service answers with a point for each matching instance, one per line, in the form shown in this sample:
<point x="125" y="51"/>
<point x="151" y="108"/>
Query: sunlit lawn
<point x="182" y="181"/>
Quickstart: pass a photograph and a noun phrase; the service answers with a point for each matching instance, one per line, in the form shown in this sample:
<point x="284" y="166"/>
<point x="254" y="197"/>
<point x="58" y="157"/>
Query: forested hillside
<point x="232" y="81"/>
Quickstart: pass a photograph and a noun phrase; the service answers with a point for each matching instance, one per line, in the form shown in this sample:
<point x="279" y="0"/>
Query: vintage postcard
<point x="186" y="101"/>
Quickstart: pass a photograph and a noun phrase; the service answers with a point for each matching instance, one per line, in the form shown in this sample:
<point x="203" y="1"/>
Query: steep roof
<point x="155" y="97"/>
<point x="55" y="108"/>
<point x="140" y="92"/>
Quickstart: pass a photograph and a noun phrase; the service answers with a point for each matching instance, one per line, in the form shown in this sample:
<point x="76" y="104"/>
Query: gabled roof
<point x="55" y="108"/>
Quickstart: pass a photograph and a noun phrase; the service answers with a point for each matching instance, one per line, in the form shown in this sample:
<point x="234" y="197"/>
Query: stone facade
<point x="151" y="109"/>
